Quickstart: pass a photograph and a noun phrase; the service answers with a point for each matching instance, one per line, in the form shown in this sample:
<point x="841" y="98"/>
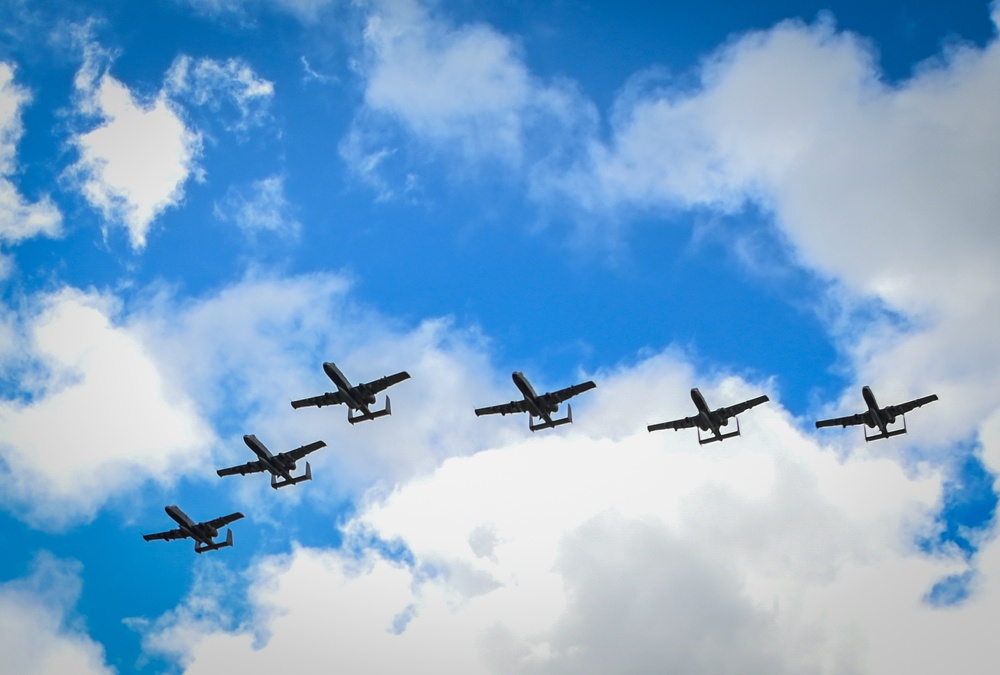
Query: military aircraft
<point x="280" y="465"/>
<point x="541" y="407"/>
<point x="357" y="398"/>
<point x="710" y="420"/>
<point x="202" y="533"/>
<point x="878" y="417"/>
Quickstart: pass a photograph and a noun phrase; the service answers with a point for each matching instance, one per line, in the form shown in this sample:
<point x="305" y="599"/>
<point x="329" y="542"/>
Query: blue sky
<point x="202" y="201"/>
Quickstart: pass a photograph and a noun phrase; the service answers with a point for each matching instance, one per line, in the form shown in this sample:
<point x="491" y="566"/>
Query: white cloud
<point x="265" y="210"/>
<point x="464" y="88"/>
<point x="37" y="631"/>
<point x="884" y="190"/>
<point x="134" y="163"/>
<point x="97" y="416"/>
<point x="247" y="351"/>
<point x="602" y="547"/>
<point x="19" y="219"/>
<point x="307" y="11"/>
<point x="211" y="83"/>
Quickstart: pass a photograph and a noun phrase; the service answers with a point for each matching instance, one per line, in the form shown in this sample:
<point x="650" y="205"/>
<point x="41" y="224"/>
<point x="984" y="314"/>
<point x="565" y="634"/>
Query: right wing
<point x="169" y="534"/>
<point x="243" y="469"/>
<point x="224" y="520"/>
<point x="734" y="410"/>
<point x="329" y="398"/>
<point x="299" y="453"/>
<point x="569" y="392"/>
<point x="375" y="386"/>
<point x="685" y="423"/>
<point x="504" y="408"/>
<point x="902" y="408"/>
<point x="848" y="421"/>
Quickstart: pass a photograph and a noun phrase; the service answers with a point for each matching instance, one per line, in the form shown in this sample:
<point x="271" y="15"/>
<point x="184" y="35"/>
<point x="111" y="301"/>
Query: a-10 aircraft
<point x="710" y="420"/>
<point x="202" y="533"/>
<point x="357" y="398"/>
<point x="538" y="406"/>
<point x="280" y="465"/>
<point x="878" y="417"/>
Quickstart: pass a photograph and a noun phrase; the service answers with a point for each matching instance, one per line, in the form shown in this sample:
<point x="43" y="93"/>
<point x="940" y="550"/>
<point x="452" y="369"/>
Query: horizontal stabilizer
<point x="888" y="434"/>
<point x="362" y="416"/>
<point x="721" y="437"/>
<point x="554" y="423"/>
<point x="298" y="479"/>
<point x="216" y="546"/>
<point x="713" y="438"/>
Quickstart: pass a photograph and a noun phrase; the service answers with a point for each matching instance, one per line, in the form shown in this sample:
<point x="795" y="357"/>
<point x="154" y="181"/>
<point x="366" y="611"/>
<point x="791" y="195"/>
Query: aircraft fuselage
<point x="536" y="406"/>
<point x="276" y="465"/>
<point x="355" y="397"/>
<point x="875" y="417"/>
<point x="200" y="532"/>
<point x="707" y="420"/>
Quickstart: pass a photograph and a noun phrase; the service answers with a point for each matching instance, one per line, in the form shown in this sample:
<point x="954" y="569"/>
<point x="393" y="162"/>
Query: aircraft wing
<point x="243" y="469"/>
<point x="168" y="535"/>
<point x="224" y="520"/>
<point x="734" y="410"/>
<point x="848" y="421"/>
<point x="329" y="398"/>
<point x="569" y="392"/>
<point x="902" y="408"/>
<point x="685" y="423"/>
<point x="299" y="453"/>
<point x="504" y="408"/>
<point x="375" y="386"/>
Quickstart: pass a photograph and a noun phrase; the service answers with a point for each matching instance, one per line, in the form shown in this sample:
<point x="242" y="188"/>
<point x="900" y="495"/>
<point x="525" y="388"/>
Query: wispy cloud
<point x="265" y="209"/>
<point x="215" y="84"/>
<point x="19" y="218"/>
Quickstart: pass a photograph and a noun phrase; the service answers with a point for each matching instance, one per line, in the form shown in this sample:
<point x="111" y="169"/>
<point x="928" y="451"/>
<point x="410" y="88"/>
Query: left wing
<point x="569" y="392"/>
<point x="902" y="408"/>
<point x="329" y="398"/>
<point x="299" y="453"/>
<point x="224" y="520"/>
<point x="169" y="534"/>
<point x="503" y="408"/>
<point x="243" y="469"/>
<point x="848" y="421"/>
<point x="375" y="386"/>
<point x="685" y="423"/>
<point x="734" y="410"/>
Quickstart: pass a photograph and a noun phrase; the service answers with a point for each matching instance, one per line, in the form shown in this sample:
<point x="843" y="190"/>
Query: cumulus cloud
<point x="19" y="218"/>
<point x="247" y="351"/>
<point x="598" y="548"/>
<point x="465" y="88"/>
<point x="134" y="163"/>
<point x="95" y="413"/>
<point x="38" y="633"/>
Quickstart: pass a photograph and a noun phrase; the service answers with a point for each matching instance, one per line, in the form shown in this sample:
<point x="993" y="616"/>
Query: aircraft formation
<point x="541" y="407"/>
